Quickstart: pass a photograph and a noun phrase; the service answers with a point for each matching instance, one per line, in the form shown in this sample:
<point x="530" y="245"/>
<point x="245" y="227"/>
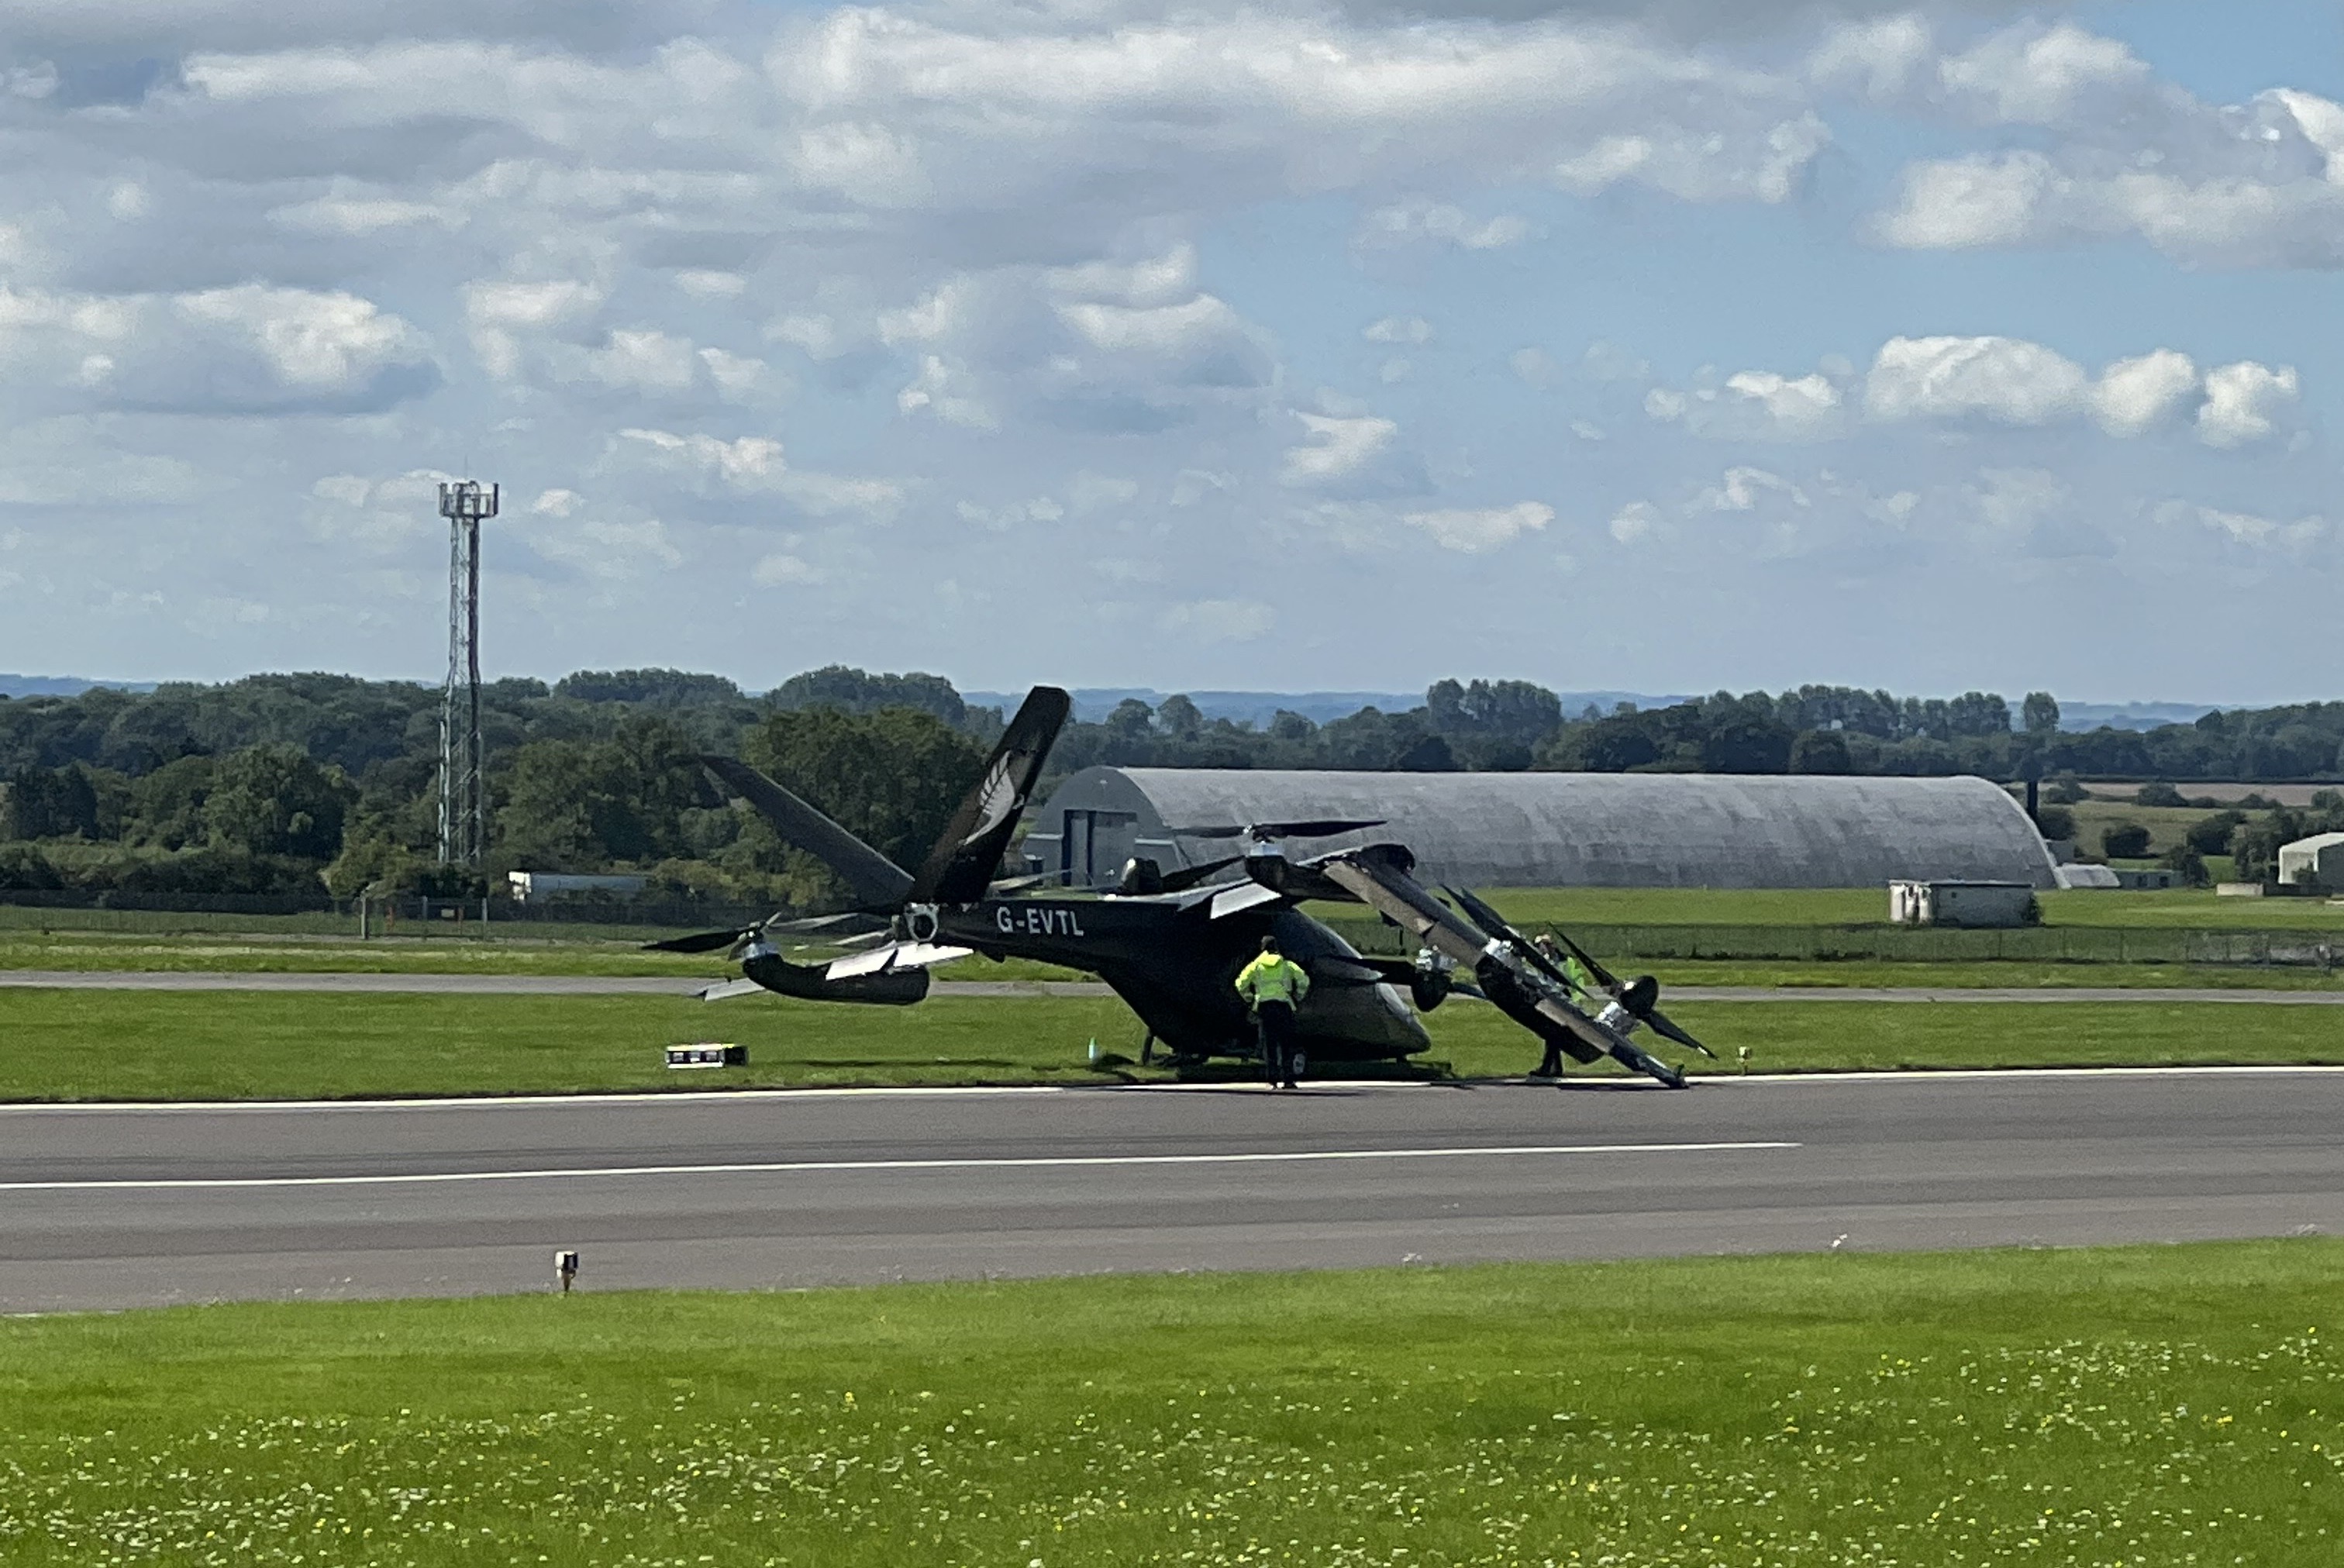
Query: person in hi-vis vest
<point x="1273" y="987"/>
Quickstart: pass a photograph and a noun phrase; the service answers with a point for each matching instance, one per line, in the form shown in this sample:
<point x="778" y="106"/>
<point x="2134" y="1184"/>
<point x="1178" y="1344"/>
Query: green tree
<point x="1180" y="719"/>
<point x="2039" y="714"/>
<point x="857" y="690"/>
<point x="2055" y="822"/>
<point x="891" y="778"/>
<point x="2211" y="834"/>
<point x="580" y="805"/>
<point x="274" y="800"/>
<point x="167" y="806"/>
<point x="1819" y="752"/>
<point x="2125" y="840"/>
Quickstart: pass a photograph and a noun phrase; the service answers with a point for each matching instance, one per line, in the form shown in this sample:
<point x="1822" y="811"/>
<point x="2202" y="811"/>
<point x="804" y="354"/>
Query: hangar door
<point x="1094" y="844"/>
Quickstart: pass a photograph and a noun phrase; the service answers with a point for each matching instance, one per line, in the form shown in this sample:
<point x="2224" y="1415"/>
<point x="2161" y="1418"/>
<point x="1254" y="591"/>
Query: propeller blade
<point x="1497" y="925"/>
<point x="844" y="944"/>
<point x="1603" y="976"/>
<point x="699" y="942"/>
<point x="1660" y="1024"/>
<point x="1009" y="885"/>
<point x="869" y="917"/>
<point x="1189" y="877"/>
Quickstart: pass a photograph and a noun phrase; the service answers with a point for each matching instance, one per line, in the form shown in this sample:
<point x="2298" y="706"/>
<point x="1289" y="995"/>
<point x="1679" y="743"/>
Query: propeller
<point x="713" y="941"/>
<point x="1189" y="877"/>
<point x="1641" y="996"/>
<point x="699" y="942"/>
<point x="1264" y="831"/>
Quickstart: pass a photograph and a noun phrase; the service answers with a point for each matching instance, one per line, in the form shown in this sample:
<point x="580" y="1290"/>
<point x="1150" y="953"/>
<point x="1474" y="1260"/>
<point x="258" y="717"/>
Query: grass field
<point x="2138" y="1407"/>
<point x="1869" y="906"/>
<point x="60" y="1045"/>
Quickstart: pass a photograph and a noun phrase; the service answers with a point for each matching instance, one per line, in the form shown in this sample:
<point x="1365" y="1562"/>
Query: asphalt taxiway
<point x="129" y="1205"/>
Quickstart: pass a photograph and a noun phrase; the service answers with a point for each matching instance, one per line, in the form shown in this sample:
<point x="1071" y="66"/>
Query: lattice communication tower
<point x="463" y="800"/>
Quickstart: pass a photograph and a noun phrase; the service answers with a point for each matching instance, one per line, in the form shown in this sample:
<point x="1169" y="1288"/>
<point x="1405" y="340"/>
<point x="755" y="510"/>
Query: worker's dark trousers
<point x="1275" y="1022"/>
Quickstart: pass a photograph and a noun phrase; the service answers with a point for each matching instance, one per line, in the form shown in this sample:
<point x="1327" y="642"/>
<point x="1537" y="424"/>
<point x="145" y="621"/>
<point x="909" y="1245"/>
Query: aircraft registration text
<point x="1036" y="920"/>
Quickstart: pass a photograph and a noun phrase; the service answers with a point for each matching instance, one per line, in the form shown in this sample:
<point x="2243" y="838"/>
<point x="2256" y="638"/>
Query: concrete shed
<point x="2319" y="859"/>
<point x="1563" y="830"/>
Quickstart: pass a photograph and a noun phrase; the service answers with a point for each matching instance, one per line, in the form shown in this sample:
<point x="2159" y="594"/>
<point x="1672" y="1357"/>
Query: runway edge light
<point x="565" y="1269"/>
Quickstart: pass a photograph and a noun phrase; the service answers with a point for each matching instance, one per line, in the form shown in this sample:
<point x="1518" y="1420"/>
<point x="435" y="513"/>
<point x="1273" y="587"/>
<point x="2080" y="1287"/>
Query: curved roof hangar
<point x="1557" y="829"/>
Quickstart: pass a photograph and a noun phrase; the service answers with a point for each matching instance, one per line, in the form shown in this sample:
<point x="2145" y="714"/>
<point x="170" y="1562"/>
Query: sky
<point x="1119" y="342"/>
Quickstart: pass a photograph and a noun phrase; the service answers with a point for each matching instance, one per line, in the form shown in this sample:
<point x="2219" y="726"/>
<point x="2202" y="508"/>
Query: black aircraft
<point x="1170" y="943"/>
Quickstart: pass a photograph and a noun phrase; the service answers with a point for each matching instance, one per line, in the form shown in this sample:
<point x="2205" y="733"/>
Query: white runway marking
<point x="783" y="1167"/>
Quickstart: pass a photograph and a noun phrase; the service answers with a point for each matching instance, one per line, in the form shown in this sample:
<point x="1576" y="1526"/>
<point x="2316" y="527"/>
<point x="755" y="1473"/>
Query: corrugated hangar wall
<point x="1564" y="830"/>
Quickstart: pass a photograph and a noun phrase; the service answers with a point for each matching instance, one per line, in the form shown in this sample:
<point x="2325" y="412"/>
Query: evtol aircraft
<point x="1170" y="943"/>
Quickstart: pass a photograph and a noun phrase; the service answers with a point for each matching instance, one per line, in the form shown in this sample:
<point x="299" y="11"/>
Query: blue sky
<point x="1257" y="346"/>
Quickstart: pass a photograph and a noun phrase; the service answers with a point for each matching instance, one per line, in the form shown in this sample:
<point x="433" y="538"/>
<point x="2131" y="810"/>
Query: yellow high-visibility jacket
<point x="1273" y="977"/>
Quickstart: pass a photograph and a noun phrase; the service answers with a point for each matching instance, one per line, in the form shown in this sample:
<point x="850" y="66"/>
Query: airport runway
<point x="660" y="986"/>
<point x="121" y="1205"/>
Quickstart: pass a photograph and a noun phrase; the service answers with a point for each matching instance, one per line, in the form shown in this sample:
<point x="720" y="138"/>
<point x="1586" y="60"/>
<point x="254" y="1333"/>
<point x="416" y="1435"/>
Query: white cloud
<point x="1413" y="330"/>
<point x="1755" y="405"/>
<point x="711" y="283"/>
<point x="2006" y="379"/>
<point x="1337" y="447"/>
<point x="324" y="342"/>
<point x="1743" y="490"/>
<point x="1474" y="532"/>
<point x="644" y="360"/>
<point x="2258" y="184"/>
<point x="750" y="465"/>
<point x="781" y="569"/>
<point x="1634" y="521"/>
<point x="2135" y="396"/>
<point x="1421" y="221"/>
<point x="2044" y="76"/>
<point x="610" y="550"/>
<point x="2245" y="402"/>
<point x="2247" y="529"/>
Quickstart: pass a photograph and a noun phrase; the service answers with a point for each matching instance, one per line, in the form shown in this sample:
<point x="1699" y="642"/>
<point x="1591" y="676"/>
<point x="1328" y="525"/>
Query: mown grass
<point x="2005" y="973"/>
<point x="2138" y="1407"/>
<point x="68" y="1045"/>
<point x="249" y="954"/>
<point x="1803" y="907"/>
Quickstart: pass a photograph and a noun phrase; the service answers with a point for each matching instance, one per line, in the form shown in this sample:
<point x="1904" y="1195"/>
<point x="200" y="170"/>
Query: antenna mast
<point x="463" y="801"/>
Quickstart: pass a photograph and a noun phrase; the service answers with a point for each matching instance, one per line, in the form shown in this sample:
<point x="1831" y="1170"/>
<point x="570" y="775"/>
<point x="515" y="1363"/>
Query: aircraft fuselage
<point x="1176" y="967"/>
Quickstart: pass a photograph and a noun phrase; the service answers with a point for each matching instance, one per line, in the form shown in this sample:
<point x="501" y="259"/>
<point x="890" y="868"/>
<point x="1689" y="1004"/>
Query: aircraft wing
<point x="893" y="957"/>
<point x="1379" y="877"/>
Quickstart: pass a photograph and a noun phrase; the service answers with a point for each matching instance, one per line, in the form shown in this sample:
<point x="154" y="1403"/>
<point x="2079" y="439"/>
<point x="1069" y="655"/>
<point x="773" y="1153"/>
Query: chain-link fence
<point x="409" y="915"/>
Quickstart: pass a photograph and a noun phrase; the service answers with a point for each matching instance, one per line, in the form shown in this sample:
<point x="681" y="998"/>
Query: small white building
<point x="537" y="887"/>
<point x="2080" y="874"/>
<point x="2315" y="861"/>
<point x="1958" y="902"/>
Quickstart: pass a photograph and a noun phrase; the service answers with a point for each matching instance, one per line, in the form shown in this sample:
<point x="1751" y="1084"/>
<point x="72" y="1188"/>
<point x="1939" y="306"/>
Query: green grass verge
<point x="64" y="1044"/>
<point x="228" y="953"/>
<point x="2174" y="909"/>
<point x="1676" y="972"/>
<point x="2136" y="1407"/>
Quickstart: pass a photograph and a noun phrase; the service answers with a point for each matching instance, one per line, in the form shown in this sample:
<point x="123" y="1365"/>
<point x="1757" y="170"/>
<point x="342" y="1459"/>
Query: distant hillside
<point x="2083" y="716"/>
<point x="62" y="685"/>
<point x="1093" y="703"/>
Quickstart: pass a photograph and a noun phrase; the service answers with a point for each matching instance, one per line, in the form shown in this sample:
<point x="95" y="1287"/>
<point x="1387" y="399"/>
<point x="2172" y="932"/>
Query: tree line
<point x="280" y="783"/>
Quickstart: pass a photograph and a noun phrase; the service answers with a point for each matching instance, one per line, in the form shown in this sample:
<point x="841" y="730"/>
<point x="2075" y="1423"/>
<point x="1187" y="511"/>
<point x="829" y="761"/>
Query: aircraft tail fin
<point x="961" y="866"/>
<point x="875" y="881"/>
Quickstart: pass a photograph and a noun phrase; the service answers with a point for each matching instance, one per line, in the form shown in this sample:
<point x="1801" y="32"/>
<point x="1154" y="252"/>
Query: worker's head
<point x="1269" y="945"/>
